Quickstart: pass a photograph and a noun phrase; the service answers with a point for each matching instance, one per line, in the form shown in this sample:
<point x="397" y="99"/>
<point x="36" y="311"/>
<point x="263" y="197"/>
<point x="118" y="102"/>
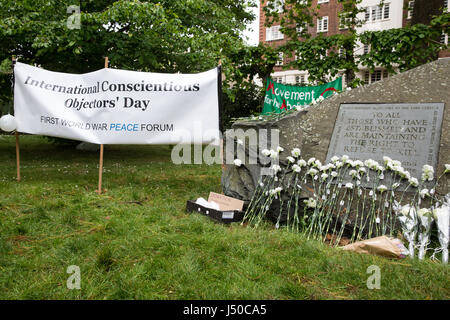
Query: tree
<point x="154" y="36"/>
<point x="324" y="57"/>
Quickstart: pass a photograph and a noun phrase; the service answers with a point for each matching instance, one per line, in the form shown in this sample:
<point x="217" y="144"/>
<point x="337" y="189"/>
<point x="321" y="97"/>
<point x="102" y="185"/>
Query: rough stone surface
<point x="86" y="146"/>
<point x="311" y="130"/>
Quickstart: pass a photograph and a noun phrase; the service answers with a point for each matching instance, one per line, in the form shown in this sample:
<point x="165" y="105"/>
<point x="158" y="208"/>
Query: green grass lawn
<point x="136" y="241"/>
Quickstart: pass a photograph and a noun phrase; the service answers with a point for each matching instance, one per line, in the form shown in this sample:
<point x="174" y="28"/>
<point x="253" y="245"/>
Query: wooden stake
<point x="100" y="167"/>
<point x="18" y="155"/>
<point x="13" y="59"/>
<point x="221" y="139"/>
<point x="100" y="171"/>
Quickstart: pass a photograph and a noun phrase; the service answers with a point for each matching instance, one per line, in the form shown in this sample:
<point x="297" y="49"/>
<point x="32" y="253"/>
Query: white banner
<point x="111" y="106"/>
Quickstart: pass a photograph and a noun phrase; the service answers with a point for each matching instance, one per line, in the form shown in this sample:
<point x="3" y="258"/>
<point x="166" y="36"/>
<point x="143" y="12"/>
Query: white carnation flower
<point x="237" y="162"/>
<point x="334" y="159"/>
<point x="296" y="152"/>
<point x="301" y="163"/>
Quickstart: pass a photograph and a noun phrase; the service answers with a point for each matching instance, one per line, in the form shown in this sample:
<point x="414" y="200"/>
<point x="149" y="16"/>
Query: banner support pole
<point x="100" y="167"/>
<point x="13" y="60"/>
<point x="18" y="156"/>
<point x="222" y="134"/>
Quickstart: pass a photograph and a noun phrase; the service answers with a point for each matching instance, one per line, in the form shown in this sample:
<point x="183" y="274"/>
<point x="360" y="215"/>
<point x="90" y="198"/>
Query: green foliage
<point x="155" y="36"/>
<point x="404" y="48"/>
<point x="393" y="49"/>
<point x="246" y="102"/>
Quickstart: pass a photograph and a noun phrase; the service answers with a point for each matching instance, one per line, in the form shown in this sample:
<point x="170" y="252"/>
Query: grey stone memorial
<point x="408" y="132"/>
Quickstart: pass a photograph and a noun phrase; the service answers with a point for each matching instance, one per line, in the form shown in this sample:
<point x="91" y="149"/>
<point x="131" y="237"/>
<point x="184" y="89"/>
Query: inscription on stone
<point x="406" y="132"/>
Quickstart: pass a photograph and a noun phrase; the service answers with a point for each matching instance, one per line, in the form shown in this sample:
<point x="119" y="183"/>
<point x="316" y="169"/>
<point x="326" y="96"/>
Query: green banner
<point x="280" y="97"/>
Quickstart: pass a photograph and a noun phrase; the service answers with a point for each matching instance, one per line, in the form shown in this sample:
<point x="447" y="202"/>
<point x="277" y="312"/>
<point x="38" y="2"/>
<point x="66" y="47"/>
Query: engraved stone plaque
<point x="408" y="132"/>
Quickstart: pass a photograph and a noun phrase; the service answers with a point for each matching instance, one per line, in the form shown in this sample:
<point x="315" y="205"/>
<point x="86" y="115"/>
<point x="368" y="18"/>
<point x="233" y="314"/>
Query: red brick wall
<point x="329" y="9"/>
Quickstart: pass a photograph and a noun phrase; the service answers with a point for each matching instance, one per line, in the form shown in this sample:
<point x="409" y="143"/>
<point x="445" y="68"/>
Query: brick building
<point x="393" y="14"/>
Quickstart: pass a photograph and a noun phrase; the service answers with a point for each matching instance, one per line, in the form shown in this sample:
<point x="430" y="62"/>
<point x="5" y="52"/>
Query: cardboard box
<point x="230" y="208"/>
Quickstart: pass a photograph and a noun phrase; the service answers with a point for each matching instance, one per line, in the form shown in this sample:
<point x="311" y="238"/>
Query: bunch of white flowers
<point x="442" y="217"/>
<point x="296" y="168"/>
<point x="237" y="162"/>
<point x="425" y="217"/>
<point x="381" y="188"/>
<point x="407" y="216"/>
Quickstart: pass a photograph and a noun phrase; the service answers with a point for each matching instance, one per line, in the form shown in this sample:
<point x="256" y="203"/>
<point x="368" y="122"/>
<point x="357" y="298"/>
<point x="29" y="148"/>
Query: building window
<point x="341" y="52"/>
<point x="274" y="33"/>
<point x="377" y="13"/>
<point x="322" y="24"/>
<point x="410" y="9"/>
<point x="386" y="11"/>
<point x="343" y="23"/>
<point x="377" y="75"/>
<point x="445" y="5"/>
<point x="444" y="38"/>
<point x="280" y="59"/>
<point x="300" y="79"/>
<point x="278" y="5"/>
<point x="366" y="49"/>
